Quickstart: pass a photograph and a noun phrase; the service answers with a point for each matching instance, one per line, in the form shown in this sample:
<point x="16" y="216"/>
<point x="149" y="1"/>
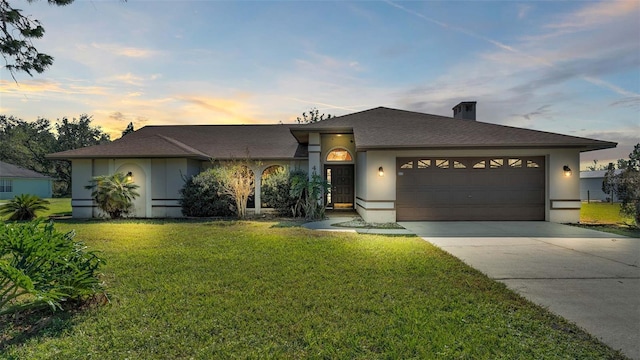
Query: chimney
<point x="465" y="110"/>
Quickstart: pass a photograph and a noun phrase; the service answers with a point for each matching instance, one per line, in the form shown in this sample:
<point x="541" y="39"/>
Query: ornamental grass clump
<point x="42" y="267"/>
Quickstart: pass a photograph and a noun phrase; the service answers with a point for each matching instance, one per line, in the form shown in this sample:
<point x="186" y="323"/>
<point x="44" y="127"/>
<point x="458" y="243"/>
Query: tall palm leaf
<point x="23" y="207"/>
<point x="114" y="194"/>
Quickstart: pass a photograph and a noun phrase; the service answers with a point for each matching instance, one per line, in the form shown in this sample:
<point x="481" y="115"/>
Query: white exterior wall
<point x="81" y="201"/>
<point x="315" y="164"/>
<point x="376" y="201"/>
<point x="159" y="182"/>
<point x="376" y="204"/>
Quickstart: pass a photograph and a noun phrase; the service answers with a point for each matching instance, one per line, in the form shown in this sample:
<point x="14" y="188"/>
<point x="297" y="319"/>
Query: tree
<point x="312" y="116"/>
<point x="17" y="32"/>
<point x="114" y="194"/>
<point x="23" y="207"/>
<point x="26" y="143"/>
<point x="238" y="181"/>
<point x="626" y="184"/>
<point x="74" y="134"/>
<point x="128" y="130"/>
<point x="595" y="166"/>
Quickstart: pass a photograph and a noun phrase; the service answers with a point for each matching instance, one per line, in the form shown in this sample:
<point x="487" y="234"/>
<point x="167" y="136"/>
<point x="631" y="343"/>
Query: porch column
<point x="257" y="175"/>
<point x="314" y="154"/>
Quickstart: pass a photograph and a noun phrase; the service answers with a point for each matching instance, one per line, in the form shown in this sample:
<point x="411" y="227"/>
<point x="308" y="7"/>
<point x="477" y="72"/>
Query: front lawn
<point x="219" y="290"/>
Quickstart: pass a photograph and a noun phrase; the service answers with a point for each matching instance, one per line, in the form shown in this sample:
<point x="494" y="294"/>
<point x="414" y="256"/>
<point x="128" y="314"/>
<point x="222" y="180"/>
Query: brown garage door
<point x="487" y="188"/>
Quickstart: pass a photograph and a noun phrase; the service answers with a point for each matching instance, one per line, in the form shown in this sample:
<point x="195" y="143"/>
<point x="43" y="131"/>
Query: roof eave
<point x="581" y="147"/>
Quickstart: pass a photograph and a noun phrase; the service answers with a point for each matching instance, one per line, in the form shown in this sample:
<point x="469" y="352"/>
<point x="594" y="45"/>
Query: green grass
<point x="57" y="207"/>
<point x="606" y="217"/>
<point x="224" y="290"/>
<point x="603" y="213"/>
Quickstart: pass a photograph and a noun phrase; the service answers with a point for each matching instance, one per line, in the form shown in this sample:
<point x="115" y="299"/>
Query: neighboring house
<point x="387" y="164"/>
<point x="591" y="186"/>
<point x="15" y="180"/>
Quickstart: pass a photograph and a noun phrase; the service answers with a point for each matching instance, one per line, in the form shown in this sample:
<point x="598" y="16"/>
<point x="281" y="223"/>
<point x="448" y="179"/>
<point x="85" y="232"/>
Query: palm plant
<point x="23" y="207"/>
<point x="114" y="194"/>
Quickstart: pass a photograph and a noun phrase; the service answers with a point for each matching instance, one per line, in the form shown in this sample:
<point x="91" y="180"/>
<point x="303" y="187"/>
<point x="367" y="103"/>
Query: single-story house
<point x="387" y="164"/>
<point x="591" y="186"/>
<point x="15" y="180"/>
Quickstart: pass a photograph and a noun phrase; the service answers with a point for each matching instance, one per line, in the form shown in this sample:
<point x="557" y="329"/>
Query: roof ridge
<point x="182" y="145"/>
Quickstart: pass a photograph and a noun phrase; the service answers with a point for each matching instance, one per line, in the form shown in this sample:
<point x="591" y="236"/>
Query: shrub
<point x="40" y="266"/>
<point x="114" y="194"/>
<point x="201" y="196"/>
<point x="276" y="191"/>
<point x="23" y="207"/>
<point x="308" y="194"/>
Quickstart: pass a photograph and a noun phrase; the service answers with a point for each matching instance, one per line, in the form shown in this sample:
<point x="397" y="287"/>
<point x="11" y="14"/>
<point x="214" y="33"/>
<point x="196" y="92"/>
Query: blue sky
<point x="569" y="67"/>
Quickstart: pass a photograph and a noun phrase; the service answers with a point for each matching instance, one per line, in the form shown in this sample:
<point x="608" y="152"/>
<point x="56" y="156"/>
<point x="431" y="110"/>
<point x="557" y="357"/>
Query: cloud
<point x="42" y="86"/>
<point x="543" y="111"/>
<point x="523" y="10"/>
<point x="597" y="13"/>
<point x="130" y="52"/>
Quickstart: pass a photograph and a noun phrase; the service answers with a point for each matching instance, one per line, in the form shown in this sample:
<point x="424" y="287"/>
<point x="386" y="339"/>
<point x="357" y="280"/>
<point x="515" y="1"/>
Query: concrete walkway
<point x="327" y="225"/>
<point x="588" y="277"/>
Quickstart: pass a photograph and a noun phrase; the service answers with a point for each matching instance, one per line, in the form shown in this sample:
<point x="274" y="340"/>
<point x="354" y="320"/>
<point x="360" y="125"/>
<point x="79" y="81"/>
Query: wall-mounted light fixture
<point x="380" y="171"/>
<point x="129" y="176"/>
<point x="567" y="170"/>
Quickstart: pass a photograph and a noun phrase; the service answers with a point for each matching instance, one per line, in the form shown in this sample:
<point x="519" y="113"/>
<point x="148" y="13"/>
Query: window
<point x="6" y="185"/>
<point x="496" y="163"/>
<point x="515" y="163"/>
<point x="442" y="164"/>
<point x="458" y="165"/>
<point x="339" y="155"/>
<point x="480" y="165"/>
<point x="532" y="164"/>
<point x="424" y="163"/>
<point x="407" y="165"/>
<point x="329" y="189"/>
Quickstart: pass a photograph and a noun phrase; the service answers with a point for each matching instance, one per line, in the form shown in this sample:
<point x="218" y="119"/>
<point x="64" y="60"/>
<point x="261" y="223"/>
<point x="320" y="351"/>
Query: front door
<point x="340" y="194"/>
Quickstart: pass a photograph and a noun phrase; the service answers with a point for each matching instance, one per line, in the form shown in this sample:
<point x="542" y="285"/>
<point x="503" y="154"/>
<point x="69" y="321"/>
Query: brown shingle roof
<point x="379" y="128"/>
<point x="384" y="128"/>
<point x="12" y="171"/>
<point x="198" y="142"/>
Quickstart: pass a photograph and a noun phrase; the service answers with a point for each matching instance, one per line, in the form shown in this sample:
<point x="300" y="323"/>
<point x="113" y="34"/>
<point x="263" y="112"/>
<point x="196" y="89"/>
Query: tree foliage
<point x="41" y="267"/>
<point x="23" y="207"/>
<point x="201" y="196"/>
<point x="17" y="32"/>
<point x="128" y="130"/>
<point x="238" y="181"/>
<point x="312" y="116"/>
<point x="276" y="190"/>
<point x="626" y="184"/>
<point x="114" y="194"/>
<point x="25" y="144"/>
<point x="308" y="193"/>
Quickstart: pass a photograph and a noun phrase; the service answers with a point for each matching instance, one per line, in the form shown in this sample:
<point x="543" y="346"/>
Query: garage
<point x="470" y="188"/>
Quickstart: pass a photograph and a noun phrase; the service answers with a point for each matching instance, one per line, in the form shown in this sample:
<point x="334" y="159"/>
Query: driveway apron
<point x="588" y="277"/>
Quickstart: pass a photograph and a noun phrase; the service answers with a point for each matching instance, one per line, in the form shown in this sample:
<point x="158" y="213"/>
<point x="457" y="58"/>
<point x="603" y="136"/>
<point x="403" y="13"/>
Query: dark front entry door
<point x="340" y="194"/>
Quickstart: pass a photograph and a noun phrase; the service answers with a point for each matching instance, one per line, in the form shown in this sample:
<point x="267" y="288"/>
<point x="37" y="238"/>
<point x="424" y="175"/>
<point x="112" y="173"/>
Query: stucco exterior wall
<point x="38" y="187"/>
<point x="376" y="202"/>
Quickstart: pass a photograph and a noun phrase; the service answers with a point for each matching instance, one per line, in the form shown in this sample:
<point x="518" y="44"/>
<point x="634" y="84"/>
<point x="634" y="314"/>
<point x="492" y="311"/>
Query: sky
<point x="570" y="67"/>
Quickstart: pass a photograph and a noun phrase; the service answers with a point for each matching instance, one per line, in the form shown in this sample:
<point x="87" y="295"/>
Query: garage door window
<point x="442" y="164"/>
<point x="515" y="163"/>
<point x="407" y="165"/>
<point x="424" y="163"/>
<point x="532" y="164"/>
<point x="480" y="164"/>
<point x="496" y="163"/>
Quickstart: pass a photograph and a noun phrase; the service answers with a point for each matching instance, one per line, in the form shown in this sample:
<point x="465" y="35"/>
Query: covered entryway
<point x="473" y="188"/>
<point x="340" y="195"/>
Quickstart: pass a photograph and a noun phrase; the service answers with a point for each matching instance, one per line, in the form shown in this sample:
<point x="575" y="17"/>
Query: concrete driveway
<point x="588" y="277"/>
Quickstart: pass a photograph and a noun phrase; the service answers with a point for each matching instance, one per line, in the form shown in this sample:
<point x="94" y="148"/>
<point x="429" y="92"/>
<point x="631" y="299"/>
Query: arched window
<point x="339" y="154"/>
